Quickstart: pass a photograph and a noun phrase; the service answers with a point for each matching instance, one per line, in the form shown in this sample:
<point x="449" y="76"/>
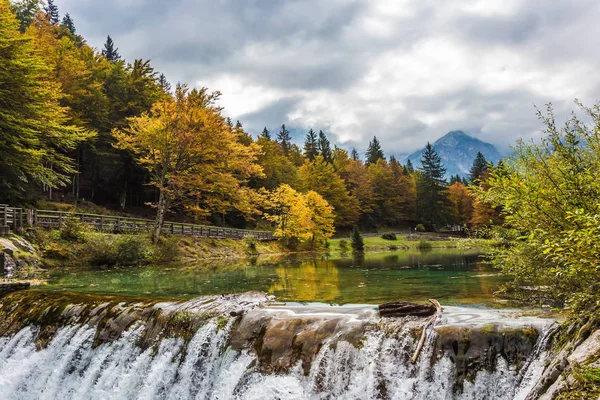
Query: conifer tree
<point x="357" y="242"/>
<point x="51" y="11"/>
<point x="164" y="83"/>
<point x="409" y="166"/>
<point x="478" y="168"/>
<point x="110" y="51"/>
<point x="311" y="149"/>
<point x="324" y="147"/>
<point x="266" y="134"/>
<point x="26" y="11"/>
<point x="354" y="154"/>
<point x="284" y="139"/>
<point x="67" y="22"/>
<point x="374" y="152"/>
<point x="432" y="198"/>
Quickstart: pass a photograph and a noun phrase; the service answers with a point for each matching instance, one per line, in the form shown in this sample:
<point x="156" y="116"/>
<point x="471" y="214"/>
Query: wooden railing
<point x="16" y="218"/>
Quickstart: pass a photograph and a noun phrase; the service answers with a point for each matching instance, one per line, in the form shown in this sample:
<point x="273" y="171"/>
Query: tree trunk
<point x="160" y="215"/>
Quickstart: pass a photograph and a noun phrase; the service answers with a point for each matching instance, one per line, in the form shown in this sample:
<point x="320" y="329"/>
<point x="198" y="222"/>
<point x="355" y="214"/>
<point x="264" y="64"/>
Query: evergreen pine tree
<point x="354" y="154"/>
<point x="51" y="11"/>
<point x="284" y="139"/>
<point x="164" y="83"/>
<point x="432" y="198"/>
<point x="324" y="147"/>
<point x="110" y="52"/>
<point x="229" y="122"/>
<point x="478" y="168"/>
<point x="26" y="10"/>
<point x="456" y="178"/>
<point x="67" y="22"/>
<point x="374" y="152"/>
<point x="238" y="124"/>
<point x="357" y="242"/>
<point x="311" y="149"/>
<point x="266" y="134"/>
<point x="409" y="166"/>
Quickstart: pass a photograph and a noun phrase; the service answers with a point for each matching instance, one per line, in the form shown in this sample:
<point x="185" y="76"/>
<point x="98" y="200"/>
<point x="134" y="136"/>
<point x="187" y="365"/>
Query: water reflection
<point x="450" y="276"/>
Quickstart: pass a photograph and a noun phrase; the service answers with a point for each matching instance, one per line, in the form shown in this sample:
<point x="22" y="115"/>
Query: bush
<point x="167" y="250"/>
<point x="112" y="250"/>
<point x="326" y="244"/>
<point x="420" y="228"/>
<point x="424" y="245"/>
<point x="73" y="230"/>
<point x="389" y="236"/>
<point x="358" y="243"/>
<point x="250" y="243"/>
<point x="343" y="245"/>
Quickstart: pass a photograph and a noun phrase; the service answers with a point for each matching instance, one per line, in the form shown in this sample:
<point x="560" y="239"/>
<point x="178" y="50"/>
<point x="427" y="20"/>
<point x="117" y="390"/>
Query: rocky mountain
<point x="457" y="151"/>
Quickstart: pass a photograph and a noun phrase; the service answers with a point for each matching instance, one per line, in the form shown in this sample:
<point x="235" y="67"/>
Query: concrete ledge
<point x="9" y="287"/>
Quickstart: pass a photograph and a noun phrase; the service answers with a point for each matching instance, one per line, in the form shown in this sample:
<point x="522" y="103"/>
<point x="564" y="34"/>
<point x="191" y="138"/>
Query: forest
<point x="85" y="125"/>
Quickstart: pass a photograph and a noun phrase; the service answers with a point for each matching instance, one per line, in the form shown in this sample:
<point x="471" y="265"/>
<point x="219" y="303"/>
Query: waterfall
<point x="335" y="353"/>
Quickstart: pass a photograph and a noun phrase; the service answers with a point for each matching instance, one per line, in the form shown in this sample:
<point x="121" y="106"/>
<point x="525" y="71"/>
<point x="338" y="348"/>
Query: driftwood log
<point x="403" y="309"/>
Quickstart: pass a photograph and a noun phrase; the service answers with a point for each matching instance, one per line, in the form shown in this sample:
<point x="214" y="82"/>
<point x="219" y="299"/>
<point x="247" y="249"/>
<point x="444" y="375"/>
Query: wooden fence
<point x="17" y="219"/>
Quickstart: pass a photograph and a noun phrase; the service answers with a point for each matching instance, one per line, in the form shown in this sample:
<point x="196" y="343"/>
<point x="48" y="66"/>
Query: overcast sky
<point x="407" y="71"/>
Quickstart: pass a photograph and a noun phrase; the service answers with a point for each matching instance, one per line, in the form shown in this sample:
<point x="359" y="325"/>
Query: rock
<point x="7" y="264"/>
<point x="7" y="244"/>
<point x="23" y="244"/>
<point x="586" y="350"/>
<point x="8" y="251"/>
<point x="403" y="309"/>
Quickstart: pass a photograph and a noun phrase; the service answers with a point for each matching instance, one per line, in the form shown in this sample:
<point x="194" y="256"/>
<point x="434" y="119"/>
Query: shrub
<point x="250" y="243"/>
<point x="167" y="250"/>
<point x="389" y="236"/>
<point x="132" y="250"/>
<point x="326" y="244"/>
<point x="72" y="229"/>
<point x="343" y="245"/>
<point x="420" y="228"/>
<point x="358" y="243"/>
<point x="424" y="244"/>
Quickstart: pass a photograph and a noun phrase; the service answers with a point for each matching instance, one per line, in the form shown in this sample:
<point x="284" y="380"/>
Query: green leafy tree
<point x="479" y="167"/>
<point x="311" y="149"/>
<point x="36" y="136"/>
<point x="548" y="193"/>
<point x="432" y="201"/>
<point x="374" y="151"/>
<point x="110" y="51"/>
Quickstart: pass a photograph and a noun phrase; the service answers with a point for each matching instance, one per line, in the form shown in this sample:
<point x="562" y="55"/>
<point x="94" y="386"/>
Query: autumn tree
<point x="461" y="203"/>
<point x="190" y="153"/>
<point x="310" y="145"/>
<point x="26" y="11"/>
<point x="374" y="151"/>
<point x="278" y="169"/>
<point x="300" y="217"/>
<point x="321" y="177"/>
<point x="36" y="135"/>
<point x="432" y="199"/>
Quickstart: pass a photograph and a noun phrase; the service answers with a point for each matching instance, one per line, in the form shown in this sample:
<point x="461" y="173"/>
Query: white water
<point x="204" y="368"/>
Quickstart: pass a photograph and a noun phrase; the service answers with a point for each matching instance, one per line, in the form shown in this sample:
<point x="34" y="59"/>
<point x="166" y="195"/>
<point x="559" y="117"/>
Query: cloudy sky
<point x="407" y="71"/>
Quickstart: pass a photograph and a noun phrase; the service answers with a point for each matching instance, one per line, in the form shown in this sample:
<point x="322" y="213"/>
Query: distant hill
<point x="457" y="151"/>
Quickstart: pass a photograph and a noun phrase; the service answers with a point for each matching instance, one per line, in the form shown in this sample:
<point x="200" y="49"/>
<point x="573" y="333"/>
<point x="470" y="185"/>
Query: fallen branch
<point x="431" y="320"/>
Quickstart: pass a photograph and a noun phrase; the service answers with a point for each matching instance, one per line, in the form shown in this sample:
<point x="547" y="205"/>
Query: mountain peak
<point x="457" y="151"/>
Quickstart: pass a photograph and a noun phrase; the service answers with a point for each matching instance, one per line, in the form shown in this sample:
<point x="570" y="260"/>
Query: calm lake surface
<point x="453" y="277"/>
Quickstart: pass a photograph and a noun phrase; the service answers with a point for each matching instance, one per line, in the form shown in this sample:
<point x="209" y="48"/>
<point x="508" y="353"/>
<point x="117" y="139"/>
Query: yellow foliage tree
<point x="300" y="217"/>
<point x="461" y="203"/>
<point x="191" y="154"/>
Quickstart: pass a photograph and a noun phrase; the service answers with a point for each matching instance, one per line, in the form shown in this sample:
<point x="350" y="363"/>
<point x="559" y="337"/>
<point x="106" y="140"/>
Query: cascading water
<point x="236" y="348"/>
